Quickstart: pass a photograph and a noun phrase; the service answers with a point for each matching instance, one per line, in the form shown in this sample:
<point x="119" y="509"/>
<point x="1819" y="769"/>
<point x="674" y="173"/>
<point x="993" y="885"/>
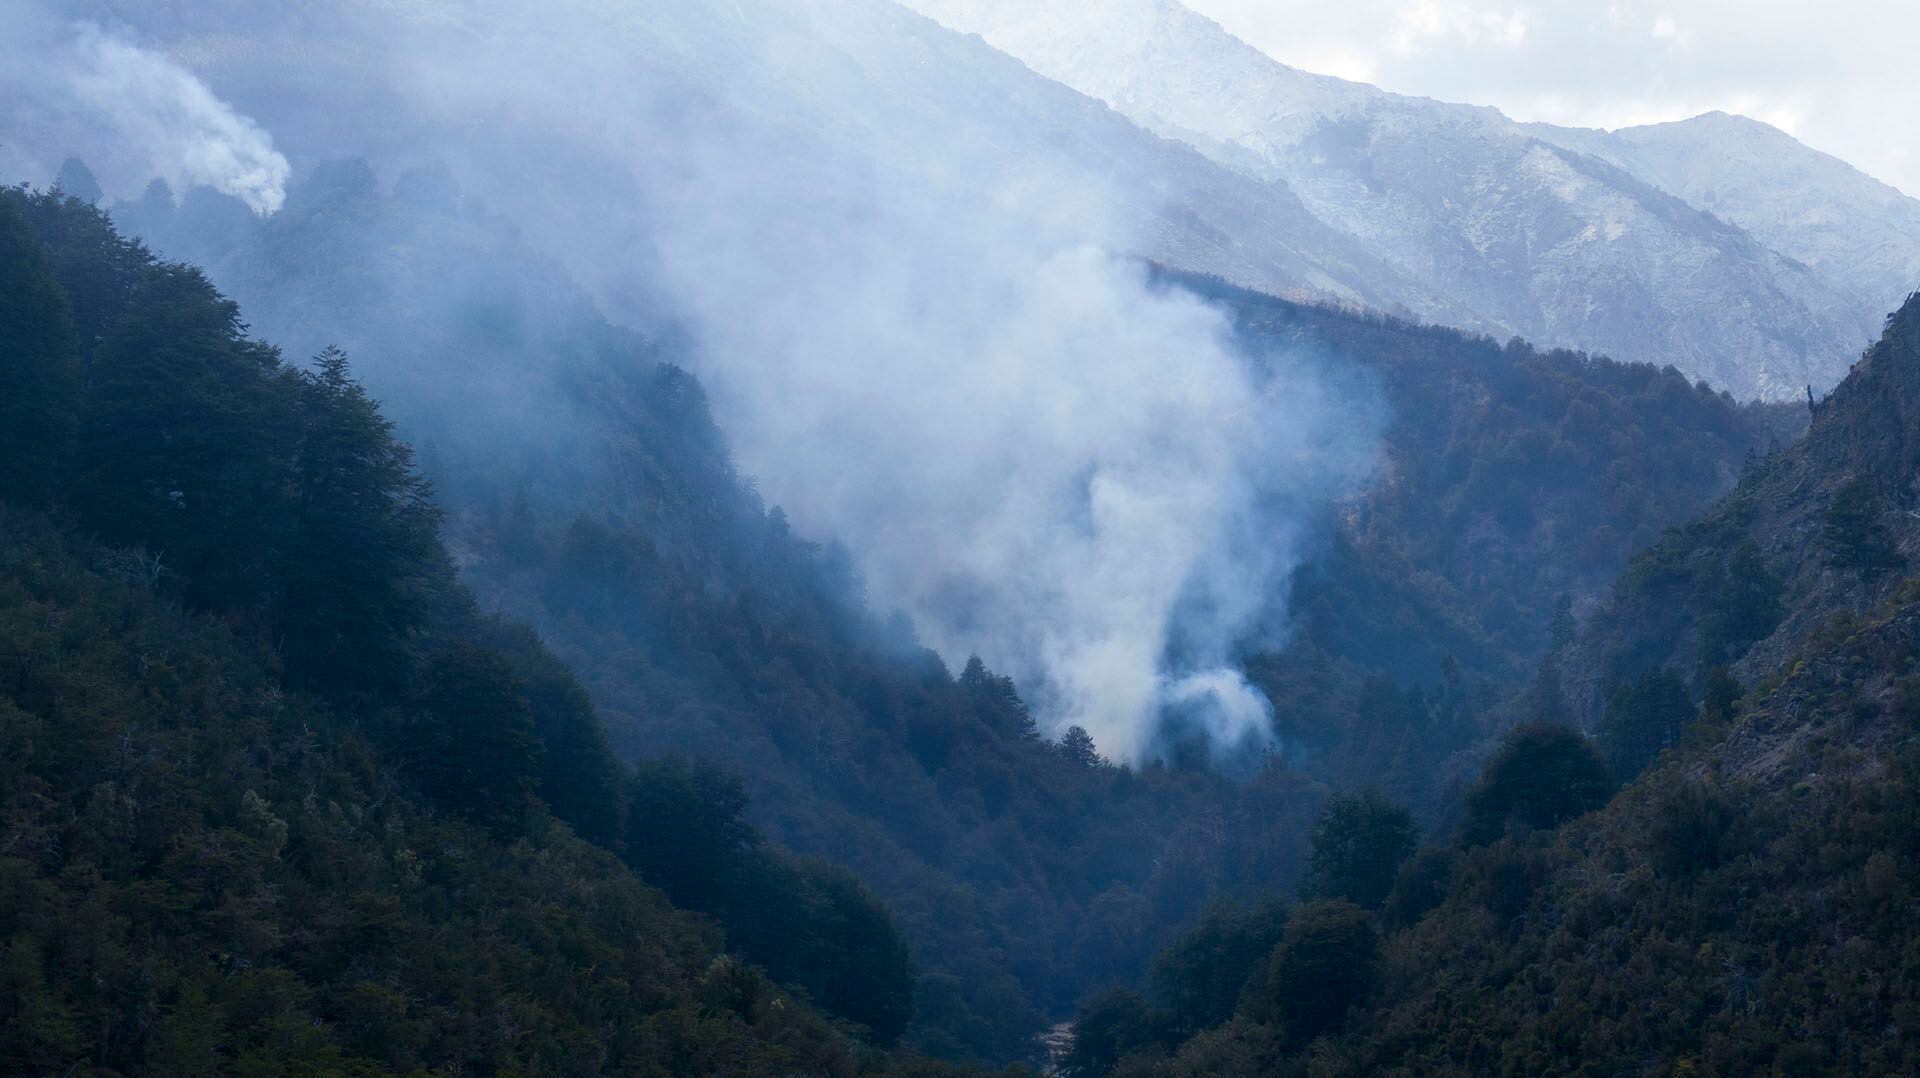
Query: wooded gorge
<point x="955" y="537"/>
<point x="739" y="667"/>
<point x="701" y="626"/>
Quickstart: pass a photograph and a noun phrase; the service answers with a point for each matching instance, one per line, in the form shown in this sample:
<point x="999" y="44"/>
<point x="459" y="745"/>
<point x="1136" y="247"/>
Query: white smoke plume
<point x="908" y="278"/>
<point x="188" y="135"/>
<point x="133" y="113"/>
<point x="950" y="364"/>
<point x="1044" y="460"/>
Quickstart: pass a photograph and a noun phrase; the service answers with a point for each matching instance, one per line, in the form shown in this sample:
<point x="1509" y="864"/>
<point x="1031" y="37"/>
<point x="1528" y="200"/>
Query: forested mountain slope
<point x="1744" y="907"/>
<point x="534" y="337"/>
<point x="1820" y="530"/>
<point x="596" y="499"/>
<point x="278" y="797"/>
<point x="1515" y="486"/>
<point x="1741" y="905"/>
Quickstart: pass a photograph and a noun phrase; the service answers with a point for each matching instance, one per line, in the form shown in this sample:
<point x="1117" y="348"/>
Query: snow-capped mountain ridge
<point x="1804" y="203"/>
<point x="1593" y="239"/>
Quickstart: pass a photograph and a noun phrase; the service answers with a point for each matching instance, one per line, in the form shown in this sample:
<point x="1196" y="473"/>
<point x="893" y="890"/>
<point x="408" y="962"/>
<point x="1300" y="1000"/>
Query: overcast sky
<point x="1841" y="75"/>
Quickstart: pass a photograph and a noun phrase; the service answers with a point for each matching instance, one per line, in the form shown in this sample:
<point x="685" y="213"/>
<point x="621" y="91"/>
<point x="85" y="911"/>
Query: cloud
<point x="932" y="347"/>
<point x="133" y="113"/>
<point x="1425" y="24"/>
<point x="1038" y="454"/>
<point x="1838" y="78"/>
<point x="917" y="319"/>
<point x="189" y="136"/>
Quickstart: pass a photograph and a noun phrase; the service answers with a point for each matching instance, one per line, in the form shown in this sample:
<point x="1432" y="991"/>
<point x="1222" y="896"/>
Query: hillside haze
<point x="786" y="537"/>
<point x="1719" y="245"/>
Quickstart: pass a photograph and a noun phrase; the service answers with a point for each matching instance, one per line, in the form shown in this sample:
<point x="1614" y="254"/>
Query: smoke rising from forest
<point x="930" y="347"/>
<point x="943" y="358"/>
<point x="134" y="112"/>
<point x="1041" y="457"/>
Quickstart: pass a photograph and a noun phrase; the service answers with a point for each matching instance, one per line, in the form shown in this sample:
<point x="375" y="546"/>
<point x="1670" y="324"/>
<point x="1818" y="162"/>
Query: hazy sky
<point x="1842" y="75"/>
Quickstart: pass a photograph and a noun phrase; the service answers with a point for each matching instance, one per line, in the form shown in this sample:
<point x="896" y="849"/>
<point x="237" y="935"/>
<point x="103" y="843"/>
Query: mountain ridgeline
<point x="1719" y="244"/>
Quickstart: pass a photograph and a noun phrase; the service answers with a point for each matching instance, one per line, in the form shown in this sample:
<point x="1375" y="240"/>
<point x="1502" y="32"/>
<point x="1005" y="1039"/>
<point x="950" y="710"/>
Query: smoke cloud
<point x="188" y="135"/>
<point x="1040" y="456"/>
<point x="914" y="299"/>
<point x="134" y="114"/>
<point x="946" y="359"/>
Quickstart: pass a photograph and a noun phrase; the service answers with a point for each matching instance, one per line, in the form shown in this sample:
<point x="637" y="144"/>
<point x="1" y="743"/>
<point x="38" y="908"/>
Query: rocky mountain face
<point x="1752" y="880"/>
<point x="1814" y="537"/>
<point x="1843" y="224"/>
<point x="1749" y="872"/>
<point x="1653" y="244"/>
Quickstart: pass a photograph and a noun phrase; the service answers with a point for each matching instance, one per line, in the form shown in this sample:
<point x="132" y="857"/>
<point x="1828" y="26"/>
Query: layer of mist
<point x="80" y="90"/>
<point x="933" y="350"/>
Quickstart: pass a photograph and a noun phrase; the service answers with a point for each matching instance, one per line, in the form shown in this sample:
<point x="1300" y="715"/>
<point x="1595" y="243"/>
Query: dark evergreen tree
<point x="997" y="699"/>
<point x="76" y="180"/>
<point x="1643" y="719"/>
<point x="1543" y="775"/>
<point x="1421" y="886"/>
<point x="850" y="956"/>
<point x="810" y="924"/>
<point x="1109" y="1027"/>
<point x="685" y="831"/>
<point x="1359" y="844"/>
<point x="469" y="738"/>
<point x="1325" y="966"/>
<point x="97" y="267"/>
<point x="1720" y="697"/>
<point x="185" y="439"/>
<point x="580" y="777"/>
<point x="1741" y="606"/>
<point x="1201" y="976"/>
<point x="353" y="570"/>
<point x="1689" y="829"/>
<point x="1853" y="534"/>
<point x="39" y="367"/>
<point x="1077" y="746"/>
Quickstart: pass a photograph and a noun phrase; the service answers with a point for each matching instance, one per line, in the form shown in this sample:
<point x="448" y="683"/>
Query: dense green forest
<point x="404" y="671"/>
<point x="1722" y="882"/>
<point x="1393" y="892"/>
<point x="279" y="798"/>
<point x="1517" y="485"/>
<point x="602" y="508"/>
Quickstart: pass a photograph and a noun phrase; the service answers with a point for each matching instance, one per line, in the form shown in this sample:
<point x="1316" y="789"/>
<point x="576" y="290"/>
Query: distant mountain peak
<point x="1779" y="287"/>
